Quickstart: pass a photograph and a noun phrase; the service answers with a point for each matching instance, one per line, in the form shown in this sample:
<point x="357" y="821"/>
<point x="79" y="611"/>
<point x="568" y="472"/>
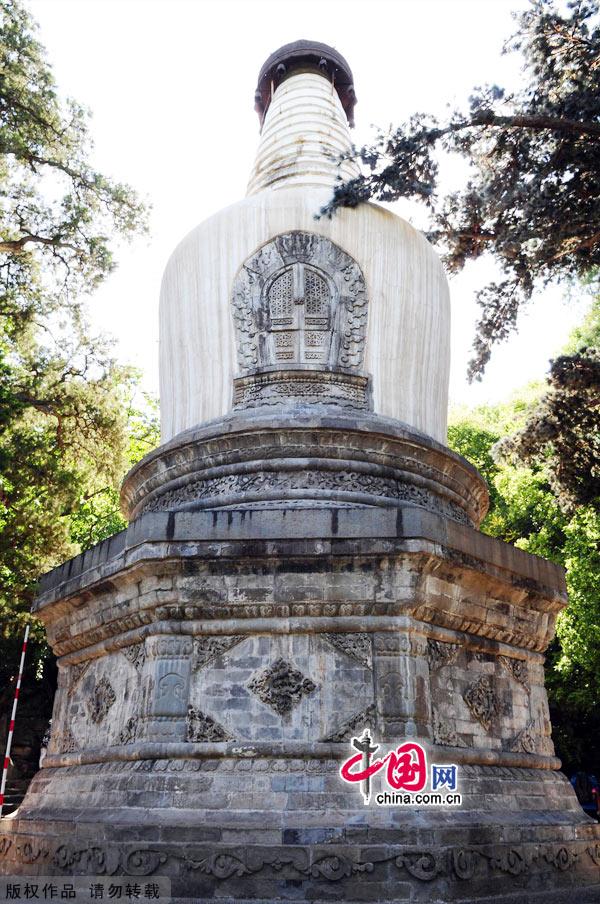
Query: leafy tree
<point x="563" y="430"/>
<point x="525" y="511"/>
<point x="533" y="198"/>
<point x="57" y="213"/>
<point x="63" y="400"/>
<point x="559" y="442"/>
<point x="99" y="516"/>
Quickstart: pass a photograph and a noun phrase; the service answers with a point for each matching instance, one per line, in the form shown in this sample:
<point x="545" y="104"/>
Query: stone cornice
<point x="416" y="634"/>
<point x="160" y="541"/>
<point x="134" y="582"/>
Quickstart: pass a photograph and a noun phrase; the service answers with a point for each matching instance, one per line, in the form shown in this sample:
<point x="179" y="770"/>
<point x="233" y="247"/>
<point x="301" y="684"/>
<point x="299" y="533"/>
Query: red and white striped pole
<point x="11" y="727"/>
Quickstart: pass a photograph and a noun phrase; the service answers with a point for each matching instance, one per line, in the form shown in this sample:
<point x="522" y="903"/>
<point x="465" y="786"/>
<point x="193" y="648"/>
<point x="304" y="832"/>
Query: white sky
<point x="171" y="87"/>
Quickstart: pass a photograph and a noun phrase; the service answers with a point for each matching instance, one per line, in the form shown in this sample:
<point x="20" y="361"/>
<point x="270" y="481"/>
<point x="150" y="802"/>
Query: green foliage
<point x="57" y="214"/>
<point x="563" y="429"/>
<point x="533" y="198"/>
<point x="64" y="402"/>
<point x="587" y="334"/>
<point x="525" y="511"/>
<point x="99" y="515"/>
<point x="579" y="629"/>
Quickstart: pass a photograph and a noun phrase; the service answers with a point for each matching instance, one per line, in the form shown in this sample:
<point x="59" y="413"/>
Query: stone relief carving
<point x="563" y="857"/>
<point x="229" y="488"/>
<point x="366" y="718"/>
<point x="517" y="668"/>
<point x="440" y="653"/>
<point x="135" y="654"/>
<point x="354" y="334"/>
<point x="297" y="246"/>
<point x="67" y="743"/>
<point x="97" y="859"/>
<point x="445" y="734"/>
<point x="300" y="299"/>
<point x="333" y="864"/>
<point x="207" y="649"/>
<point x="594" y="852"/>
<point x="393" y="644"/>
<point x="171" y="693"/>
<point x="102" y="698"/>
<point x="307" y="387"/>
<point x="128" y="734"/>
<point x="457" y="621"/>
<point x="357" y="646"/>
<point x="386" y="644"/>
<point x="243" y="318"/>
<point x="524" y="741"/>
<point x="261" y="764"/>
<point x="170" y="647"/>
<point x="390" y="687"/>
<point x="481" y="699"/>
<point x="243" y="609"/>
<point x="281" y="686"/>
<point x="201" y="727"/>
<point x="77" y="671"/>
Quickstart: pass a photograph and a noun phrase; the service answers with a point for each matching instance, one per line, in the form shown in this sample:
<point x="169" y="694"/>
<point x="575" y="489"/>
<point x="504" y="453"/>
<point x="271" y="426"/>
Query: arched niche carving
<point x="300" y="301"/>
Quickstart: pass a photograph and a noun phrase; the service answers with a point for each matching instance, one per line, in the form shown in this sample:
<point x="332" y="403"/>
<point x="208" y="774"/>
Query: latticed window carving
<point x="299" y="304"/>
<point x="317" y="299"/>
<point x="300" y="299"/>
<point x="285" y="347"/>
<point x="281" y="302"/>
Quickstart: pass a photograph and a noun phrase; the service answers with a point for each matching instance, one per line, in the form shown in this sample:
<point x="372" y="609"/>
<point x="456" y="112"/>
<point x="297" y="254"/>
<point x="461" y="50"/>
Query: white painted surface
<point x="304" y="133"/>
<point x="408" y="333"/>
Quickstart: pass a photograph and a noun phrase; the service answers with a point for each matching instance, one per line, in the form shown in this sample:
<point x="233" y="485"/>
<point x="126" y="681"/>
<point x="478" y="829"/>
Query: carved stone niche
<point x="300" y="305"/>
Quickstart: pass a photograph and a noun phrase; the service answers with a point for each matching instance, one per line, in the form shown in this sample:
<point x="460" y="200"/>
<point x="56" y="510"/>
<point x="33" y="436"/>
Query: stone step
<point x="13" y="795"/>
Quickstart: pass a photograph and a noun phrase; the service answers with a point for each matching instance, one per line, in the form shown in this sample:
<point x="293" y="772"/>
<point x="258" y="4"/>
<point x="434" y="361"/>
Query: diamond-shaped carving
<point x="366" y="718"/>
<point x="136" y="654"/>
<point x="102" y="698"/>
<point x="67" y="744"/>
<point x="482" y="701"/>
<point x="201" y="727"/>
<point x="524" y="740"/>
<point x="281" y="686"/>
<point x="128" y="734"/>
<point x="207" y="649"/>
<point x="440" y="653"/>
<point x="358" y="646"/>
<point x="445" y="733"/>
<point x="76" y="672"/>
<point x="517" y="668"/>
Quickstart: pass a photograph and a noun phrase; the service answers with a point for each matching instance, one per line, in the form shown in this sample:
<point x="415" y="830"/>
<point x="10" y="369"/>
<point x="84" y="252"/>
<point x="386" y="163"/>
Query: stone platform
<point x="214" y="666"/>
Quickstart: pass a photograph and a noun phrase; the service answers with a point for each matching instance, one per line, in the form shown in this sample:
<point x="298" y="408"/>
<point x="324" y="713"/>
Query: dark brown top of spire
<point x="305" y="55"/>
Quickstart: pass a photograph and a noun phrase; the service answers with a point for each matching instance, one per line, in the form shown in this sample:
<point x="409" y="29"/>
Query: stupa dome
<point x="305" y="98"/>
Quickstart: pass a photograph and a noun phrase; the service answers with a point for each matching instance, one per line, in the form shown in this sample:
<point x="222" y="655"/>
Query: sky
<point x="170" y="84"/>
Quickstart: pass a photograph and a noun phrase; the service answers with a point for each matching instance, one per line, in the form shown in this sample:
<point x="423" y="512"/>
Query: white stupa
<point x="304" y="99"/>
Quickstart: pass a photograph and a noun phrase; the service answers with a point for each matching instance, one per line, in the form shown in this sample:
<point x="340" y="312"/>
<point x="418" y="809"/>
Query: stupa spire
<point x="305" y="101"/>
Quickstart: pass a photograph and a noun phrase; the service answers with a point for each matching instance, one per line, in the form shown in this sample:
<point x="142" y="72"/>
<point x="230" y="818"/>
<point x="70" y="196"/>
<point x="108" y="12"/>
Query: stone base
<point x="519" y="835"/>
<point x="274" y="455"/>
<point x="237" y="827"/>
<point x="214" y="667"/>
<point x="346" y="390"/>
